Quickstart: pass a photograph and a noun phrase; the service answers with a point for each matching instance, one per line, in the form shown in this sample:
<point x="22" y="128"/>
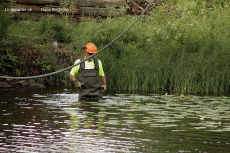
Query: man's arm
<point x="103" y="80"/>
<point x="72" y="78"/>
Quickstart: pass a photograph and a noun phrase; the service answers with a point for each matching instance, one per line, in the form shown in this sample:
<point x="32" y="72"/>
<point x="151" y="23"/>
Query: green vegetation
<point x="182" y="45"/>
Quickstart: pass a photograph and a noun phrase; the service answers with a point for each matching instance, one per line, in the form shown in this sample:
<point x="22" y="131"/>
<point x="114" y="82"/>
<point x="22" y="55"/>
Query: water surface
<point x="54" y="120"/>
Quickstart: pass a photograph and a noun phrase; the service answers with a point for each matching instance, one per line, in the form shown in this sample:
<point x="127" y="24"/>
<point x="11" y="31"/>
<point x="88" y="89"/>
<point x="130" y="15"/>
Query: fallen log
<point x="79" y="3"/>
<point x="58" y="9"/>
<point x="102" y="11"/>
<point x="5" y="85"/>
<point x="38" y="8"/>
<point x="22" y="83"/>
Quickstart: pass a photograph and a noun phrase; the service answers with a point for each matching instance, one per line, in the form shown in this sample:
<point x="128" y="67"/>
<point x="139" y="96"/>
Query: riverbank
<point x="180" y="47"/>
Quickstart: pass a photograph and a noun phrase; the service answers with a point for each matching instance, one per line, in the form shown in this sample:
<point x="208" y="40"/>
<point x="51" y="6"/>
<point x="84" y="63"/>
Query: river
<point x="53" y="120"/>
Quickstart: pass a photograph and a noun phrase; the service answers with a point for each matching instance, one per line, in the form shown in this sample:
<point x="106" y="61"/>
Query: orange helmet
<point x="90" y="48"/>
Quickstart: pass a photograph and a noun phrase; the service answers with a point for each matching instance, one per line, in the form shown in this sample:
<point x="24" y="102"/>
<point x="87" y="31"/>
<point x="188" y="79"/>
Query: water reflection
<point x="54" y="120"/>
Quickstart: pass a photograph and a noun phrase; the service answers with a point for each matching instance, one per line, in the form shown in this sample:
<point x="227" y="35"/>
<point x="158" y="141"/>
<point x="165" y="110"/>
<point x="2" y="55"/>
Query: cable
<point x="53" y="73"/>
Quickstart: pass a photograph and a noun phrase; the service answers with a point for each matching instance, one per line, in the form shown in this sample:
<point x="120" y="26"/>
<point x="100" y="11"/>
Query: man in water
<point x="88" y="75"/>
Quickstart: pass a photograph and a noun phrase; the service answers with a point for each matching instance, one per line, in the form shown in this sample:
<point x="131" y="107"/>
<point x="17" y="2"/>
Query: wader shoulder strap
<point x="96" y="63"/>
<point x="82" y="65"/>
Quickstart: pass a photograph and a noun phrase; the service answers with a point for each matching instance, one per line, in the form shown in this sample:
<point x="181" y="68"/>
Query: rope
<point x="53" y="73"/>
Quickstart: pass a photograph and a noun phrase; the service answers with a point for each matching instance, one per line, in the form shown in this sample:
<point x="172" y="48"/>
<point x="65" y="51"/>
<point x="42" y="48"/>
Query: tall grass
<point x="186" y="48"/>
<point x="182" y="46"/>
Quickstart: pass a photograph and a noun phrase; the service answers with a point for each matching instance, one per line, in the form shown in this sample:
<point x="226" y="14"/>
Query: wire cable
<point x="67" y="68"/>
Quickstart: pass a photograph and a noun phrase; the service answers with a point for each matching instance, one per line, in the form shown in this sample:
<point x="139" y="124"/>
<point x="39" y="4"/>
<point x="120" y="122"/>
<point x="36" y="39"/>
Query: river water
<point x="53" y="120"/>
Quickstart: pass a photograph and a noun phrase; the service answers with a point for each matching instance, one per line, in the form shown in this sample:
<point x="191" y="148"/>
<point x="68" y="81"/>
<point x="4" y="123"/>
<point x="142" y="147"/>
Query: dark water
<point x="54" y="120"/>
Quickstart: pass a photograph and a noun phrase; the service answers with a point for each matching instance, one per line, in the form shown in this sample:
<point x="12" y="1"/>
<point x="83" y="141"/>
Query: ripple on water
<point x="123" y="123"/>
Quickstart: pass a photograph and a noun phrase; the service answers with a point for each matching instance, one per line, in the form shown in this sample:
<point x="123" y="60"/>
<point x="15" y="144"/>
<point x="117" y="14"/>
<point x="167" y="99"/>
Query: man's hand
<point x="103" y="88"/>
<point x="77" y="84"/>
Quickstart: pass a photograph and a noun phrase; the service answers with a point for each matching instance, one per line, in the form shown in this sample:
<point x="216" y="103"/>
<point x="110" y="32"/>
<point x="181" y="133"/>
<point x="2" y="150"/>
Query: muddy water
<point x="54" y="120"/>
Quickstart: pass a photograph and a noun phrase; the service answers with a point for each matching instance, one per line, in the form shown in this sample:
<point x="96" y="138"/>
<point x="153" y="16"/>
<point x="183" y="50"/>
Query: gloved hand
<point x="77" y="84"/>
<point x="103" y="88"/>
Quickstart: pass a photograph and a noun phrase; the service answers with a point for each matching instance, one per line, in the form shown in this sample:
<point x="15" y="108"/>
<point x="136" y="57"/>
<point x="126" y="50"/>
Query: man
<point x="89" y="73"/>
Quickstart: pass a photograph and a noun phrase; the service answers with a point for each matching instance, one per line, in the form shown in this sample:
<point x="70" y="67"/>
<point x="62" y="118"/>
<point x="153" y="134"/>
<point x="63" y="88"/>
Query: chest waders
<point x="90" y="78"/>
